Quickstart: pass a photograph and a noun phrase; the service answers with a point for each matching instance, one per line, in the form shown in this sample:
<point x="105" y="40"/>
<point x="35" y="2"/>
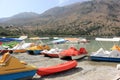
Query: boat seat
<point x="82" y="50"/>
<point x="5" y="57"/>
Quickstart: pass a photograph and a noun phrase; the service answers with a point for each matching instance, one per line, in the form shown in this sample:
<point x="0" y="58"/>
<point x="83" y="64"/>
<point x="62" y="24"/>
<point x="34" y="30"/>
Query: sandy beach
<point x="85" y="70"/>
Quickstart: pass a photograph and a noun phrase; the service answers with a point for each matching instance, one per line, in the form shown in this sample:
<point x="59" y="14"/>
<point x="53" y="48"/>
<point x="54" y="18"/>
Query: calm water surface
<point x="90" y="47"/>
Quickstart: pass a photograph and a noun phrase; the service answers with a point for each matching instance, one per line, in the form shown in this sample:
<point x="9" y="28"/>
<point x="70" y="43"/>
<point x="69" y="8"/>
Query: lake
<point x="92" y="46"/>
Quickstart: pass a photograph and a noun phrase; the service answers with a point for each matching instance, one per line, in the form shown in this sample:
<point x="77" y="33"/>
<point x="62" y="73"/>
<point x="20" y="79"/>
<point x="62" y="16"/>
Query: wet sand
<point x="85" y="70"/>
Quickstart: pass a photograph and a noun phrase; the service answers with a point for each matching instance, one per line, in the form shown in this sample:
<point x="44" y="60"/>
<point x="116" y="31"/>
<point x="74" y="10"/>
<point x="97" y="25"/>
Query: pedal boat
<point x="21" y="48"/>
<point x="73" y="53"/>
<point x="53" y="53"/>
<point x="36" y="50"/>
<point x="13" y="69"/>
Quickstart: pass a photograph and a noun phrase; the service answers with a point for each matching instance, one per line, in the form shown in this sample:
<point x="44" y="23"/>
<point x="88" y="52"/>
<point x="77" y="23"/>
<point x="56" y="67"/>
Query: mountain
<point x="91" y="18"/>
<point x="68" y="2"/>
<point x="19" y="18"/>
<point x="3" y="19"/>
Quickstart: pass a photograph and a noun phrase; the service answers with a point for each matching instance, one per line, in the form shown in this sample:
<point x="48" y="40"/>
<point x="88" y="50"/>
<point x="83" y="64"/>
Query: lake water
<point x="90" y="47"/>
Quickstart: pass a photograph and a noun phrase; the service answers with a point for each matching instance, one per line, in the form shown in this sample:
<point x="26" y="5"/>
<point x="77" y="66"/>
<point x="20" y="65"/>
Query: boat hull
<point x="78" y="57"/>
<point x="34" y="52"/>
<point x="57" y="68"/>
<point x="108" y="59"/>
<point x="51" y="55"/>
<point x="73" y="57"/>
<point x="19" y="75"/>
<point x="19" y="51"/>
<point x="4" y="51"/>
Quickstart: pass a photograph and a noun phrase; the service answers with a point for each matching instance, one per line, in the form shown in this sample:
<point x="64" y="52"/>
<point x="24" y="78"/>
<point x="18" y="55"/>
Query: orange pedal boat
<point x="57" y="68"/>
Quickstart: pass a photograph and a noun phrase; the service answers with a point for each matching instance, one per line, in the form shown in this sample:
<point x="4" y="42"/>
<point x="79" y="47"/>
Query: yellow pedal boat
<point x="12" y="68"/>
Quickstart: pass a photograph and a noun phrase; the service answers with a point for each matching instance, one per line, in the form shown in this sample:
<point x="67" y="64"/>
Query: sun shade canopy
<point x="107" y="39"/>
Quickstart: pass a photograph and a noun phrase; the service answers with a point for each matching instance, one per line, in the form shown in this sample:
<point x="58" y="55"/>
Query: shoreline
<point x="85" y="70"/>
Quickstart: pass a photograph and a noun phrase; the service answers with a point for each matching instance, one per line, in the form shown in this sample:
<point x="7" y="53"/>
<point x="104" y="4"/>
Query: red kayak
<point x="57" y="68"/>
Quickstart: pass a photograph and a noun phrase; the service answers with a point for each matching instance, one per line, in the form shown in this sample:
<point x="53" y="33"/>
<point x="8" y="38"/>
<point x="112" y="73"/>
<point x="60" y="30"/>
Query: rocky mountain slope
<point x="94" y="18"/>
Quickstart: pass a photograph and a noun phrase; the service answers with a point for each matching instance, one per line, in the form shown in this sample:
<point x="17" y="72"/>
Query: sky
<point x="12" y="7"/>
